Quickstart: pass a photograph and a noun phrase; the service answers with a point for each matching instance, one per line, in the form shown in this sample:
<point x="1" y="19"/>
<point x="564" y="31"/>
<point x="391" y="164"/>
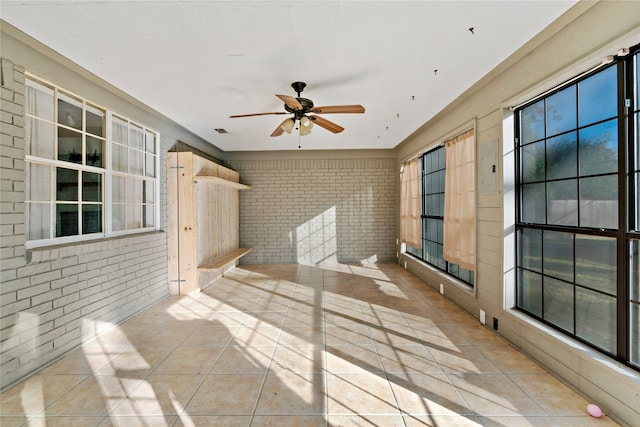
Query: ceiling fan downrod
<point x="298" y="87"/>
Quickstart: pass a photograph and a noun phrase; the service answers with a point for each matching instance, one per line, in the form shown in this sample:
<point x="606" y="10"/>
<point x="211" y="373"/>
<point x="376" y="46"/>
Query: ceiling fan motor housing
<point x="307" y="105"/>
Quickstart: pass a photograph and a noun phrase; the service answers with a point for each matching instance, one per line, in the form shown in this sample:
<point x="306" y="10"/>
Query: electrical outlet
<point x="405" y="265"/>
<point x="441" y="288"/>
<point x="482" y="317"/>
<point x="495" y="324"/>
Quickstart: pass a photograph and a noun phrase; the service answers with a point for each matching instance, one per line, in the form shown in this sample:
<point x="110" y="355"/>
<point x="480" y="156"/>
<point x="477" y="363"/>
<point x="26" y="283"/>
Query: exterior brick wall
<point x="317" y="210"/>
<point x="53" y="299"/>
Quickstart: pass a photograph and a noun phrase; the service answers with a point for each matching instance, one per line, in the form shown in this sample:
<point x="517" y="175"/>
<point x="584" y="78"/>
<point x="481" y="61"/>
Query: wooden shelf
<point x="221" y="261"/>
<point x="203" y="223"/>
<point x="221" y="181"/>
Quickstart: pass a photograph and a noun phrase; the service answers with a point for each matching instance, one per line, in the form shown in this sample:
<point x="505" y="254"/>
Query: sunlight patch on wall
<point x="316" y="239"/>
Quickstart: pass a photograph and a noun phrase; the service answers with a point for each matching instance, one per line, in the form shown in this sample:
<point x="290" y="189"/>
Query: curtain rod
<point x="470" y="126"/>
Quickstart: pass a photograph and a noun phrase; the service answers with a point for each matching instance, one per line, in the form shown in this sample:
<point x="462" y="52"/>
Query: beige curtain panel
<point x="410" y="220"/>
<point x="459" y="238"/>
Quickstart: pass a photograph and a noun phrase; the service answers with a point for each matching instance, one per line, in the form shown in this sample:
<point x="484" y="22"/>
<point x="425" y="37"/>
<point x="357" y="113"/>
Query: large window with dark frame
<point x="89" y="172"/>
<point x="432" y="166"/>
<point x="577" y="224"/>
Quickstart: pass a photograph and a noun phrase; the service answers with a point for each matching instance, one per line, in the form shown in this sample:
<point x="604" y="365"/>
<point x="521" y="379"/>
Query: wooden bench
<point x="223" y="260"/>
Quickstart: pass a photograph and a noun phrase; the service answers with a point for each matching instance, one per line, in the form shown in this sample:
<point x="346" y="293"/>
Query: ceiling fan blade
<point x="339" y="109"/>
<point x="279" y="130"/>
<point x="291" y="102"/>
<point x="324" y="123"/>
<point x="257" y="114"/>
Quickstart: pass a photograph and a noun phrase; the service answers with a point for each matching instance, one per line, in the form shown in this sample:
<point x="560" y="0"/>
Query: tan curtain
<point x="410" y="220"/>
<point x="459" y="201"/>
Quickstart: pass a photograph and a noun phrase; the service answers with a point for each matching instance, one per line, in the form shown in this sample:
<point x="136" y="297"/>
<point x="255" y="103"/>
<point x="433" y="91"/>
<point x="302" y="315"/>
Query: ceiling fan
<point x="300" y="108"/>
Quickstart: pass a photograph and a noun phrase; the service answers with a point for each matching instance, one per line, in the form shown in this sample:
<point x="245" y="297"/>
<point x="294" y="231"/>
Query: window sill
<point x="35" y="254"/>
<point x="450" y="280"/>
<point x="574" y="345"/>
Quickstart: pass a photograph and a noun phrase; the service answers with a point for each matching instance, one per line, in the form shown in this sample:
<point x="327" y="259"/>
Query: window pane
<point x="39" y="137"/>
<point x="532" y="123"/>
<point x="118" y="217"/>
<point x="634" y="339"/>
<point x="562" y="156"/>
<point x="558" y="255"/>
<point x="530" y="249"/>
<point x="136" y="162"/>
<point x="149" y="191"/>
<point x="66" y="220"/>
<point x="91" y="219"/>
<point x="634" y="270"/>
<point x="38" y="183"/>
<point x="533" y="204"/>
<point x="66" y="184"/>
<point x="432" y="230"/>
<point x="562" y="199"/>
<point x="150" y="142"/>
<point x="596" y="263"/>
<point x="69" y="145"/>
<point x="533" y="163"/>
<point x="134" y="216"/>
<point x="596" y="319"/>
<point x="149" y="216"/>
<point x="558" y="303"/>
<point x="134" y="191"/>
<point x="636" y="221"/>
<point x="118" y="189"/>
<point x="136" y="137"/>
<point x="91" y="187"/>
<point x="637" y="145"/>
<point x="95" y="120"/>
<point x="39" y="221"/>
<point x="637" y="79"/>
<point x="597" y="97"/>
<point x="69" y="112"/>
<point x="440" y="262"/>
<point x="431" y="204"/>
<point x="120" y="158"/>
<point x="599" y="202"/>
<point x="119" y="131"/>
<point x="530" y="292"/>
<point x="599" y="149"/>
<point x="561" y="111"/>
<point x="39" y="100"/>
<point x="150" y="166"/>
<point x="95" y="152"/>
<point x="440" y="157"/>
<point x="441" y="175"/>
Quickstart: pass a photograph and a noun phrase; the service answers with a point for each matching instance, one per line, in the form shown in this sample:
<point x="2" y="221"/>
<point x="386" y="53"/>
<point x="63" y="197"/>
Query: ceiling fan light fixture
<point x="288" y="125"/>
<point x="305" y="126"/>
<point x="305" y="122"/>
<point x="305" y="131"/>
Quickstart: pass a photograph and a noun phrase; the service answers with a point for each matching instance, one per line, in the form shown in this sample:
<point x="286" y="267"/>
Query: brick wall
<point x="52" y="299"/>
<point x="315" y="210"/>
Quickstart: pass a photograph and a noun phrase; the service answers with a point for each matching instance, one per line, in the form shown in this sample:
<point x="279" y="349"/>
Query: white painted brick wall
<point x="314" y="210"/>
<point x="54" y="298"/>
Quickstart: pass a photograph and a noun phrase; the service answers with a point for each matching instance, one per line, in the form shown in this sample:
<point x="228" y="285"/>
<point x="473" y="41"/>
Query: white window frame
<point x="106" y="171"/>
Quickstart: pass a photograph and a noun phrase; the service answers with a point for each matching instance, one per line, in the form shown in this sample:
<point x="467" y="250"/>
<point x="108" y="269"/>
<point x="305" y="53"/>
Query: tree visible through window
<point x="571" y="246"/>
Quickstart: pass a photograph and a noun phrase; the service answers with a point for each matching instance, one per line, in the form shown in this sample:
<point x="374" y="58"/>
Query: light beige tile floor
<point x="291" y="345"/>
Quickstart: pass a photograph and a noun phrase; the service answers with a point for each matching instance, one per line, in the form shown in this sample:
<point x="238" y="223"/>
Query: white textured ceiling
<point x="198" y="62"/>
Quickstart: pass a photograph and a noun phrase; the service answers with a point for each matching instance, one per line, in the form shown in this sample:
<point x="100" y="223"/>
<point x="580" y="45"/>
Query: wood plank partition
<point x="203" y="221"/>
